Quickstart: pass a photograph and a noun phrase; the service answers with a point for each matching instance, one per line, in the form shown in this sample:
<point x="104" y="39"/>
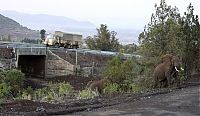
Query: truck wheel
<point x="57" y="45"/>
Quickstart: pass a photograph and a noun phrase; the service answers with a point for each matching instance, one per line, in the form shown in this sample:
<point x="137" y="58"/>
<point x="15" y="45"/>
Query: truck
<point x="62" y="39"/>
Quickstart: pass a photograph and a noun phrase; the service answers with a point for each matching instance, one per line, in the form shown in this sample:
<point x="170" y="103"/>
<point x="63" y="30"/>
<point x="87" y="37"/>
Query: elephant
<point x="97" y="85"/>
<point x="168" y="69"/>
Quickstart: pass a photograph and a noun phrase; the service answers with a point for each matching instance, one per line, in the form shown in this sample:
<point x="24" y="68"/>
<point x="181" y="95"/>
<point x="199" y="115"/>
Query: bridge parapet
<point x="31" y="51"/>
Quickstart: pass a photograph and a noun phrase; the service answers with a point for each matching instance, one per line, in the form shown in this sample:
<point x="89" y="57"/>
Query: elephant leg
<point x="168" y="81"/>
<point x="165" y="83"/>
<point x="177" y="81"/>
<point x="156" y="82"/>
<point x="168" y="77"/>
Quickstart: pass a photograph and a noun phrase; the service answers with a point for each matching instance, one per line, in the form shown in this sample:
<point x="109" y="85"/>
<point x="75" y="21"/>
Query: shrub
<point x="54" y="92"/>
<point x="50" y="96"/>
<point x="40" y="93"/>
<point x="87" y="94"/>
<point x="65" y="89"/>
<point x="146" y="83"/>
<point x="4" y="90"/>
<point x="29" y="90"/>
<point x="135" y="87"/>
<point x="27" y="94"/>
<point x="111" y="88"/>
<point x="2" y="76"/>
<point x="122" y="73"/>
<point x="14" y="78"/>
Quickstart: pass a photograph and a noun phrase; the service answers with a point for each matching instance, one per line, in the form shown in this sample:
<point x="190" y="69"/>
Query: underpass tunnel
<point x="32" y="65"/>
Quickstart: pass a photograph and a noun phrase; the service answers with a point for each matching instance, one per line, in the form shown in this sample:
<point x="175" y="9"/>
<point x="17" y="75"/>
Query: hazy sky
<point x="114" y="13"/>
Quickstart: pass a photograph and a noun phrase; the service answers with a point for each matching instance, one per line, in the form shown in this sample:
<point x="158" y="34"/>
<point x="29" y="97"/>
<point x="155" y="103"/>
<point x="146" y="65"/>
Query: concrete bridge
<point x="31" y="59"/>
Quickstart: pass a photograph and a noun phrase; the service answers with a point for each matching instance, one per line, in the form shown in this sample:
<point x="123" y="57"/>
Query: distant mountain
<point x="39" y="21"/>
<point x="52" y="23"/>
<point x="15" y="31"/>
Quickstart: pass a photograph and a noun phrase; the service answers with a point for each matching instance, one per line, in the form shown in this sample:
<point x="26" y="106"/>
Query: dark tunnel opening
<point x="32" y="65"/>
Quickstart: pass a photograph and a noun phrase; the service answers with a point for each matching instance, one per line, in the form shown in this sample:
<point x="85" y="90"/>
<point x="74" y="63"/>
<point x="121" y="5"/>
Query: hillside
<point x="15" y="31"/>
<point x="52" y="23"/>
<point x="49" y="22"/>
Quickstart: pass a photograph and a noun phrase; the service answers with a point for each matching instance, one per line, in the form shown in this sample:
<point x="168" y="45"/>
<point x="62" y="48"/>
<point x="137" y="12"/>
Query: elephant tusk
<point x="182" y="68"/>
<point x="176" y="69"/>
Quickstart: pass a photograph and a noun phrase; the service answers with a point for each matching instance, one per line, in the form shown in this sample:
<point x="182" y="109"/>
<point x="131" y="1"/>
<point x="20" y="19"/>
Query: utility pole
<point x="76" y="64"/>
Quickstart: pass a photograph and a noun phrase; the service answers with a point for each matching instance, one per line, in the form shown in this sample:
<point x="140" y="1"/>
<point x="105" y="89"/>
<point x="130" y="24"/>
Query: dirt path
<point x="183" y="102"/>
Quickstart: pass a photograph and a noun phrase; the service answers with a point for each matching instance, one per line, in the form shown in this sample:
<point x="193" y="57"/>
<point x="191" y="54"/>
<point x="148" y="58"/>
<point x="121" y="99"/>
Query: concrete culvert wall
<point x="32" y="65"/>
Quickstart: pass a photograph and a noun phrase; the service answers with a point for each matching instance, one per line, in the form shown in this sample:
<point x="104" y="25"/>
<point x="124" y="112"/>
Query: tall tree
<point x="161" y="35"/>
<point x="104" y="40"/>
<point x="42" y="33"/>
<point x="191" y="38"/>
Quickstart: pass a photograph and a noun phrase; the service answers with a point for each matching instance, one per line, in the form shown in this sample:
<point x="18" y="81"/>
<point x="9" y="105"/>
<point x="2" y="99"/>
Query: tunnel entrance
<point x="32" y="65"/>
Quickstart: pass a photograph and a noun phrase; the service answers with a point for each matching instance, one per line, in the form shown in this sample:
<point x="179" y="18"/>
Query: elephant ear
<point x="167" y="58"/>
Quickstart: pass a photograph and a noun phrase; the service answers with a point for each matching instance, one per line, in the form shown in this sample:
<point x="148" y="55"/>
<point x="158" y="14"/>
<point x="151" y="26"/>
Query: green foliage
<point x="145" y="83"/>
<point x="34" y="41"/>
<point x="118" y="70"/>
<point x="104" y="40"/>
<point x="29" y="90"/>
<point x="130" y="48"/>
<point x="87" y="94"/>
<point x="4" y="90"/>
<point x="50" y="96"/>
<point x="65" y="89"/>
<point x="135" y="87"/>
<point x="15" y="79"/>
<point x="2" y="76"/>
<point x="168" y="32"/>
<point x="121" y="74"/>
<point x="12" y="79"/>
<point x="191" y="40"/>
<point x="162" y="35"/>
<point x="147" y="65"/>
<point x="53" y="92"/>
<point x="111" y="88"/>
<point x="42" y="33"/>
<point x="11" y="86"/>
<point x="40" y="93"/>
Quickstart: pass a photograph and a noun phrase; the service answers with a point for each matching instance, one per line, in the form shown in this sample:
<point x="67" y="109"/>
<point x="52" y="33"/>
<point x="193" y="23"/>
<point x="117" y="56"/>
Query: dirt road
<point x="183" y="102"/>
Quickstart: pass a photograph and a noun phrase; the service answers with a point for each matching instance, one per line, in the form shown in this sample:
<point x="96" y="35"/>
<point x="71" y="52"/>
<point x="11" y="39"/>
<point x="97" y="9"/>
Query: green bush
<point x="135" y="87"/>
<point x="146" y="83"/>
<point x="15" y="79"/>
<point x="12" y="79"/>
<point x="50" y="96"/>
<point x="4" y="90"/>
<point x="111" y="88"/>
<point x="2" y="76"/>
<point x="65" y="89"/>
<point x="29" y="90"/>
<point x="26" y="94"/>
<point x="87" y="94"/>
<point x="40" y="93"/>
<point x="122" y="73"/>
<point x="54" y="92"/>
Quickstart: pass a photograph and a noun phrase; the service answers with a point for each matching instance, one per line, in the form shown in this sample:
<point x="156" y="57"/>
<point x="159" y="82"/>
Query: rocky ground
<point x="174" y="101"/>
